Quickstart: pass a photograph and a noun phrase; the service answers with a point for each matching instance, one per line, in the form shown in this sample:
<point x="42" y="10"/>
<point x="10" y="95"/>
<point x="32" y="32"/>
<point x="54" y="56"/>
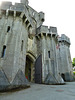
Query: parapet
<point x="53" y="31"/>
<point x="6" y="5"/>
<point x="17" y="10"/>
<point x="18" y="7"/>
<point x="64" y="38"/>
<point x="35" y="18"/>
<point x="24" y="2"/>
<point x="42" y="29"/>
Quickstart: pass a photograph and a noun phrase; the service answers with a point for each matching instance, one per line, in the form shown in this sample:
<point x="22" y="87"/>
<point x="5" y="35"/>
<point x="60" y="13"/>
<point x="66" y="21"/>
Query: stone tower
<point x="46" y="47"/>
<point x="64" y="58"/>
<point x="17" y="28"/>
<point x="14" y="26"/>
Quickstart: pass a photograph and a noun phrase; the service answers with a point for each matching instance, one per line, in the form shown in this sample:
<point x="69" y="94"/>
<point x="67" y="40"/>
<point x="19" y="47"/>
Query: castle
<point x="30" y="51"/>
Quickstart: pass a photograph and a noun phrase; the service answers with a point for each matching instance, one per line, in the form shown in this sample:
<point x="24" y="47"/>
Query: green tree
<point x="73" y="63"/>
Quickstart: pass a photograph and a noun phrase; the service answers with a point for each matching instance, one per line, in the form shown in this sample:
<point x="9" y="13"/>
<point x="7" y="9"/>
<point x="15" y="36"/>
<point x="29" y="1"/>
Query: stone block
<point x="4" y="82"/>
<point x="50" y="79"/>
<point x="60" y="79"/>
<point x="20" y="80"/>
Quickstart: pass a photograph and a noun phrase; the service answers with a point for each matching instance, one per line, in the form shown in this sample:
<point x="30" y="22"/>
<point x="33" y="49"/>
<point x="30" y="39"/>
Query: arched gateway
<point x="29" y="67"/>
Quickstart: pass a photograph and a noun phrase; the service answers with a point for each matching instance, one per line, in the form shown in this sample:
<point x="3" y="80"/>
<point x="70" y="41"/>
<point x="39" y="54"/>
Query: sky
<point x="58" y="13"/>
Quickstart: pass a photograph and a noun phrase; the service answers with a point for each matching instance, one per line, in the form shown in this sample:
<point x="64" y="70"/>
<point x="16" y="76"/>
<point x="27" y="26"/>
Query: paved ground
<point x="43" y="92"/>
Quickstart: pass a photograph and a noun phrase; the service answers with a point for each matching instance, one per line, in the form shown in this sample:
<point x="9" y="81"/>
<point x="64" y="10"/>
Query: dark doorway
<point x="63" y="76"/>
<point x="29" y="69"/>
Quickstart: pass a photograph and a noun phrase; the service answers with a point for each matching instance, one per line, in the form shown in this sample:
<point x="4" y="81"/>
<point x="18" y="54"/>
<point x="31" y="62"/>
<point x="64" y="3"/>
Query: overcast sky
<point x="58" y="13"/>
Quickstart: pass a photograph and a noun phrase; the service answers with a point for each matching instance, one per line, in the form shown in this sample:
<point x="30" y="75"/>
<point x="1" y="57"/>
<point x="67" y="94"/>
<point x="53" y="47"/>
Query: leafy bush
<point x="74" y="72"/>
<point x="73" y="63"/>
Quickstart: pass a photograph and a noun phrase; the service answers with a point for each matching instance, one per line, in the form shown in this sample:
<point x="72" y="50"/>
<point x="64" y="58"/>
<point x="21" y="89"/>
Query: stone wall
<point x="13" y="43"/>
<point x="64" y="57"/>
<point x="46" y="45"/>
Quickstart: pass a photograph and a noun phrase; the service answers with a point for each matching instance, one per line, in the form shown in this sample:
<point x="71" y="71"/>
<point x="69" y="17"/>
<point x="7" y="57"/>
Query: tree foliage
<point x="73" y="63"/>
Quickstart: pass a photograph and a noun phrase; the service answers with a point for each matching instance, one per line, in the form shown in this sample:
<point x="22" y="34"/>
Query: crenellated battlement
<point x="52" y="31"/>
<point x="18" y="10"/>
<point x="42" y="29"/>
<point x="22" y="10"/>
<point x="64" y="38"/>
<point x="16" y="7"/>
<point x="24" y="2"/>
<point x="5" y="5"/>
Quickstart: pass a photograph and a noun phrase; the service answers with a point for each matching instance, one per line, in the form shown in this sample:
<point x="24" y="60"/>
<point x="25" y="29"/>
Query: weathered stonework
<point x="64" y="58"/>
<point x="28" y="49"/>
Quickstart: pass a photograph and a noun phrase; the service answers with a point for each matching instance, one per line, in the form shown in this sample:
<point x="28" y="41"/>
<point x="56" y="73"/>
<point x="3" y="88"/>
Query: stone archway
<point x="29" y="68"/>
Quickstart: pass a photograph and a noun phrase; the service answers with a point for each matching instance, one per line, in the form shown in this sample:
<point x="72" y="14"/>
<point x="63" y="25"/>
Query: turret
<point x="24" y="2"/>
<point x="46" y="49"/>
<point x="64" y="58"/>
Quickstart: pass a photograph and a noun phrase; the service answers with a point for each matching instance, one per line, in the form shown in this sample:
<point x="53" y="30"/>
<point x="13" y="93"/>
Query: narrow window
<point x="24" y="17"/>
<point x="22" y="46"/>
<point x="3" y="51"/>
<point x="49" y="54"/>
<point x="8" y="29"/>
<point x="27" y="22"/>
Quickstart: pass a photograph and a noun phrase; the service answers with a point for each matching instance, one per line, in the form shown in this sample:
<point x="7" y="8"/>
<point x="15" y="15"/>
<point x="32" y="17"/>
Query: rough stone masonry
<point x="30" y="51"/>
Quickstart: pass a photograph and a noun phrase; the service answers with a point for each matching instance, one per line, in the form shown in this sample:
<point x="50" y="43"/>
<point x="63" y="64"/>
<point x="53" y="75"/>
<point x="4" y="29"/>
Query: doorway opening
<point x="29" y="69"/>
<point x="63" y="76"/>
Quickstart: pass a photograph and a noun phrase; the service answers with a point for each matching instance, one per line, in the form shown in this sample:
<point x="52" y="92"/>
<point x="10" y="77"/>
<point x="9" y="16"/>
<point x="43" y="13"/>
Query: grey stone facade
<point x="23" y="39"/>
<point x="64" y="58"/>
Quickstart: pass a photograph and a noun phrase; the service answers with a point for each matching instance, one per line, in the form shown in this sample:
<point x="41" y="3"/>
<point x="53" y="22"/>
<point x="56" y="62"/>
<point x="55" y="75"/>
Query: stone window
<point x="49" y="54"/>
<point x="22" y="46"/>
<point x="27" y="22"/>
<point x="3" y="51"/>
<point x="8" y="29"/>
<point x="24" y="17"/>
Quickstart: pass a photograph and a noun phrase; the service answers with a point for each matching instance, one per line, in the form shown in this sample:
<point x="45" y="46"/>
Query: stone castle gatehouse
<point x="30" y="51"/>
